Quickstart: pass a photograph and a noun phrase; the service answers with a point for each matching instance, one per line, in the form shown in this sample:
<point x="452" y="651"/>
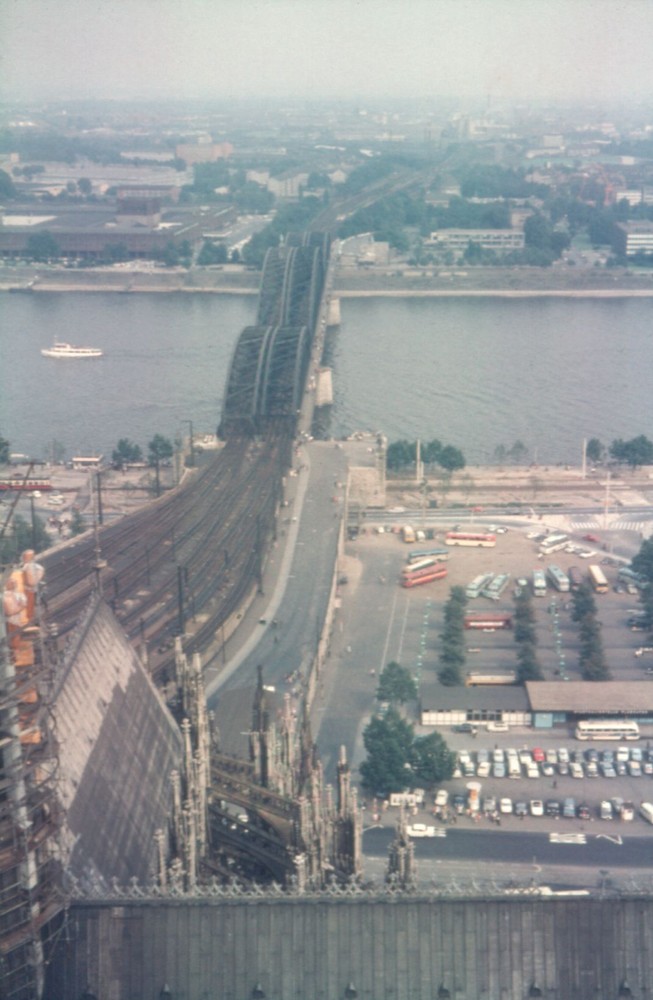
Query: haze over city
<point x="162" y="49"/>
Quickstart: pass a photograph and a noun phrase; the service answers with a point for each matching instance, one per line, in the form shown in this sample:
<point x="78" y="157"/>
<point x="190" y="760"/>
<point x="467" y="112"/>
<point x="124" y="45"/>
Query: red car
<point x="539" y="755"/>
<point x="591" y="538"/>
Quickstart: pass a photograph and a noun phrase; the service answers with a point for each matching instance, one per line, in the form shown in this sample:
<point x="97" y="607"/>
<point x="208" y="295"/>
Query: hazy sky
<point x="226" y="48"/>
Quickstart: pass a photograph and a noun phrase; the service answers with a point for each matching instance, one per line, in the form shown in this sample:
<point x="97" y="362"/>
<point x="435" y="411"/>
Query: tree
<point x="451" y="458"/>
<point x="594" y="450"/>
<point x="77" y="526"/>
<point x="638" y="451"/>
<point x="583" y="603"/>
<point x="397" y="760"/>
<point x="85" y="186"/>
<point x="528" y="665"/>
<point x="125" y="453"/>
<point x="159" y="450"/>
<point x="518" y="452"/>
<point x="592" y="657"/>
<point x="42" y="246"/>
<point x="23" y="535"/>
<point x="170" y="255"/>
<point x="400" y="454"/>
<point x="431" y="759"/>
<point x="388" y="742"/>
<point x="4" y="451"/>
<point x="212" y="253"/>
<point x="643" y="561"/>
<point x="7" y="186"/>
<point x="396" y="684"/>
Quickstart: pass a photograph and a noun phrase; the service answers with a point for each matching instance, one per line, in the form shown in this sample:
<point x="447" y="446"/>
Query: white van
<point x="441" y="798"/>
<point x="514" y="767"/>
<point x="646" y="809"/>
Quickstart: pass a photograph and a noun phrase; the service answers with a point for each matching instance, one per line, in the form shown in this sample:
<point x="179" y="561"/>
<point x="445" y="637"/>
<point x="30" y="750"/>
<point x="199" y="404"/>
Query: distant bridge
<point x="268" y="369"/>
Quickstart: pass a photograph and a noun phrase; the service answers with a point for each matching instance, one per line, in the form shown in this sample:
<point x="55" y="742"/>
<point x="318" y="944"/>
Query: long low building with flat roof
<point x="542" y="704"/>
<point x="554" y="702"/>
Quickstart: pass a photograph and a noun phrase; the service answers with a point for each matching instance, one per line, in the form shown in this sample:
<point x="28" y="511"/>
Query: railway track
<point x="194" y="553"/>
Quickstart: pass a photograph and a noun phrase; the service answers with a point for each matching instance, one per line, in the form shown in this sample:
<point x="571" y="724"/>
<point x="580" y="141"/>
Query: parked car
<point x="484" y="768"/>
<point x="539" y="755"/>
<point x="576" y="769"/>
<point x="569" y="808"/>
<point x="605" y="810"/>
<point x="563" y="755"/>
<point x="459" y="803"/>
<point x="552" y="807"/>
<point x="489" y="804"/>
<point x="583" y="811"/>
<point x="521" y="809"/>
<point x="537" y="807"/>
<point x="505" y="806"/>
<point x="441" y="797"/>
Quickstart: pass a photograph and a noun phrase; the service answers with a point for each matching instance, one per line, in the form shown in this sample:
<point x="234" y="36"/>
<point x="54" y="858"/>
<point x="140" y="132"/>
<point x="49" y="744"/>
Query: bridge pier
<point x="333" y="312"/>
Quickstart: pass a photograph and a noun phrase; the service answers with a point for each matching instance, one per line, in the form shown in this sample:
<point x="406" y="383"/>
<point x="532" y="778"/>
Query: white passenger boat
<point x="61" y="350"/>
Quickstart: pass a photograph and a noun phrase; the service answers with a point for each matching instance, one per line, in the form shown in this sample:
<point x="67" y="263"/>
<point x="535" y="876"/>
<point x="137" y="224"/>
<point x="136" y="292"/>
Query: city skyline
<point x="363" y="49"/>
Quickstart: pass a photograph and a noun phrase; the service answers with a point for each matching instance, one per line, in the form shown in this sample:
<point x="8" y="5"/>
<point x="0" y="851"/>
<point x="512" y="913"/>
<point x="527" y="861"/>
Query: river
<point x="475" y="373"/>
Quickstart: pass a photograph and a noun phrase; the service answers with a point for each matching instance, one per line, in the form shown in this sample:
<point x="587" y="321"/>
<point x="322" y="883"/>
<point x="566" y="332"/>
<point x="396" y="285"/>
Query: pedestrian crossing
<point x="621" y="524"/>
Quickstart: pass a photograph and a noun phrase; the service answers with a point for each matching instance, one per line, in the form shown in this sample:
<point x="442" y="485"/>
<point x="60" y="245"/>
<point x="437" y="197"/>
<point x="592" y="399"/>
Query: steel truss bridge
<point x="268" y="370"/>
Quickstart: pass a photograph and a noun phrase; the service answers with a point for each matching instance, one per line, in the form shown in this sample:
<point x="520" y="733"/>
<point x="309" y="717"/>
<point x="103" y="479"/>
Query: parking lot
<point x="383" y="621"/>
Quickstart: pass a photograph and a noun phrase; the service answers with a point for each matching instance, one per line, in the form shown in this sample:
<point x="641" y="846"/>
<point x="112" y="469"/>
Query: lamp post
<point x="192" y="446"/>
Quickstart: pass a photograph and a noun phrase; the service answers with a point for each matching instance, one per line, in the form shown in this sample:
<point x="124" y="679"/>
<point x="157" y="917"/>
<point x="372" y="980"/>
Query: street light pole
<point x="192" y="446"/>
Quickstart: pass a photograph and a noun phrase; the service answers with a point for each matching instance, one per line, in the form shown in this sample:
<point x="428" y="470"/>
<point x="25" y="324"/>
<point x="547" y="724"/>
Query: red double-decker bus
<point x="478" y="538"/>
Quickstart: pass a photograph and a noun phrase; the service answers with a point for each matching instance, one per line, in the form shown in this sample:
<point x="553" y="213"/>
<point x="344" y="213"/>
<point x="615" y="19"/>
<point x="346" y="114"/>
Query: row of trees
<point x="526" y="638"/>
<point x="159" y="450"/>
<point x="635" y="452"/>
<point x="452" y="657"/>
<point x="403" y="454"/>
<point x="592" y="660"/>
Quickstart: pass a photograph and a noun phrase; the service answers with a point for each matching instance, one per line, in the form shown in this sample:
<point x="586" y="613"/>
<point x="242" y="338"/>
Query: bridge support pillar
<point x="333" y="312"/>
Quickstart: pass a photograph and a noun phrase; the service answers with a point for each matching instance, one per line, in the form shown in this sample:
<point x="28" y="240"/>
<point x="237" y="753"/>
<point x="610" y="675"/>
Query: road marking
<point x="567" y="838"/>
<point x="613" y="840"/>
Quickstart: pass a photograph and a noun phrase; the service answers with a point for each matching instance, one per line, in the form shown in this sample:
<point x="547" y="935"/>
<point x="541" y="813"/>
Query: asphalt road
<point x="602" y="859"/>
<point x="301" y="593"/>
